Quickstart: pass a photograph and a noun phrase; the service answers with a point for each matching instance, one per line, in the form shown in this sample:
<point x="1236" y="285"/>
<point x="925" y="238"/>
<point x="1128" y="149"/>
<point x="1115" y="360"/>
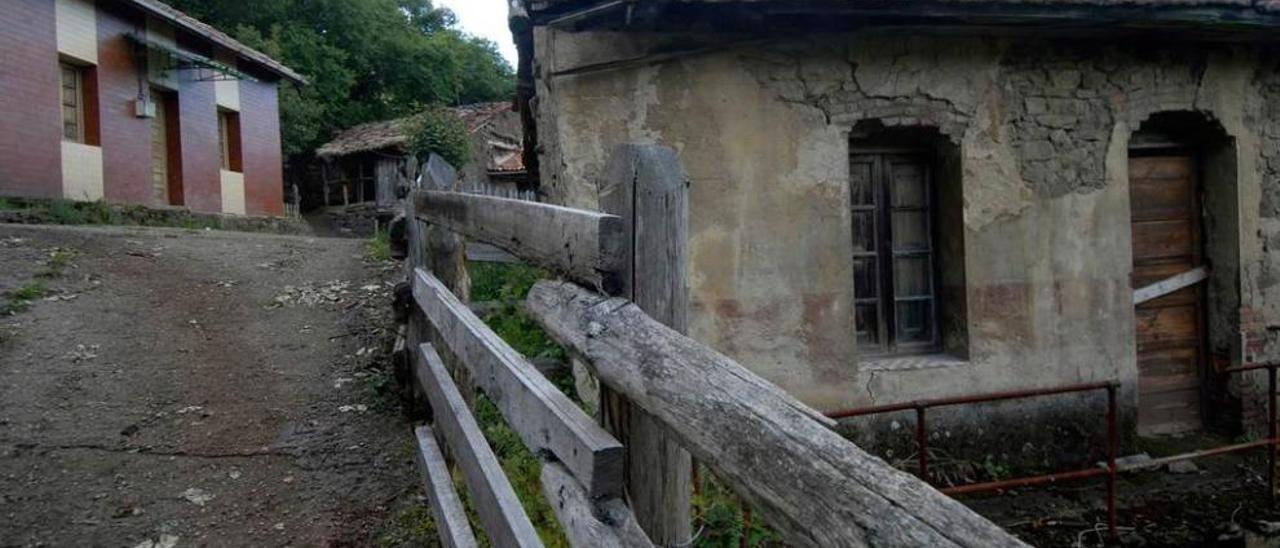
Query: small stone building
<point x="892" y="201"/>
<point x="366" y="162"/>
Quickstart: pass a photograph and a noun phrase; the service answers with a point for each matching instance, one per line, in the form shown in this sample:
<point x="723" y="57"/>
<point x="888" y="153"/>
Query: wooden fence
<point x="623" y="480"/>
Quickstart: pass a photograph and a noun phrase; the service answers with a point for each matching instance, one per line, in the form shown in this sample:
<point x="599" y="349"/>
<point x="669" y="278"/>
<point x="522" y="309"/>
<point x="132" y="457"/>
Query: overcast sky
<point x="487" y="19"/>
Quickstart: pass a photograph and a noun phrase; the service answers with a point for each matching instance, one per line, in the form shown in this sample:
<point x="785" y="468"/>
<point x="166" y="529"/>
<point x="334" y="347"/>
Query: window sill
<point x="912" y="363"/>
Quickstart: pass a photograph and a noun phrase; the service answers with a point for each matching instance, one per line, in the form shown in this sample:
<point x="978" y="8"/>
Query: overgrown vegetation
<point x="364" y="59"/>
<point x="523" y="469"/>
<point x="439" y="130"/>
<point x="718" y="519"/>
<point x="378" y="248"/>
<point x="507" y="285"/>
<point x="6" y="205"/>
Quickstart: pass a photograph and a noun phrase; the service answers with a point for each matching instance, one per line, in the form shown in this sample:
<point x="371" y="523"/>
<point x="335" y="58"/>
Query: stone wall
<point x="1043" y="129"/>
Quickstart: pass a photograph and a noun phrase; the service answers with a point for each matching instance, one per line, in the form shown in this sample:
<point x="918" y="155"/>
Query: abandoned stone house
<point x="892" y="201"/>
<point x="366" y="162"/>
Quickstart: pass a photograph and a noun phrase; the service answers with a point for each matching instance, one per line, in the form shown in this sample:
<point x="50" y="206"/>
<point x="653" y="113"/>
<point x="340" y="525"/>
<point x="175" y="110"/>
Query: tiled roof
<point x="393" y="134"/>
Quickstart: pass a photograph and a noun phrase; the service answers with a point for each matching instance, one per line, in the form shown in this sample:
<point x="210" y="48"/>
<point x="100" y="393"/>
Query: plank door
<point x="160" y="151"/>
<point x="1166" y="225"/>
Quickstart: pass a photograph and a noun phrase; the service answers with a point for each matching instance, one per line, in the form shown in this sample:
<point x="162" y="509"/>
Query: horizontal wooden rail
<point x="587" y="523"/>
<point x="504" y="520"/>
<point x="812" y="485"/>
<point x="585" y="246"/>
<point x="450" y="517"/>
<point x="546" y="420"/>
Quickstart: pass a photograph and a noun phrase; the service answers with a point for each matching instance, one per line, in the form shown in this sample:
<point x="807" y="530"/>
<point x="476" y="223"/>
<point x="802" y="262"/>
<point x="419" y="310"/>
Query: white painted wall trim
<point x="77" y="29"/>
<point x="232" y="192"/>
<point x="81" y="172"/>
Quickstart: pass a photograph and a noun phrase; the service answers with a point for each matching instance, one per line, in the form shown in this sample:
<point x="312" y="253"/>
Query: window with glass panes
<point x="72" y="104"/>
<point x="893" y="253"/>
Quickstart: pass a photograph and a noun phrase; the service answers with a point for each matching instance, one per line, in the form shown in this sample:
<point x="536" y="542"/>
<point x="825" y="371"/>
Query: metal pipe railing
<point x="1111" y="470"/>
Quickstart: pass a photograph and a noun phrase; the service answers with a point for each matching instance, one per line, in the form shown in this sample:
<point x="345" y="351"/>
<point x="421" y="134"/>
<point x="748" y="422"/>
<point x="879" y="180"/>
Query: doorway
<point x="1168" y="271"/>
<point x="166" y="167"/>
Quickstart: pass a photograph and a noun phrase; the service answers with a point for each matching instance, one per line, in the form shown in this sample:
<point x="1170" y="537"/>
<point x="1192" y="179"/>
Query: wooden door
<point x="1166" y="225"/>
<point x="160" y="151"/>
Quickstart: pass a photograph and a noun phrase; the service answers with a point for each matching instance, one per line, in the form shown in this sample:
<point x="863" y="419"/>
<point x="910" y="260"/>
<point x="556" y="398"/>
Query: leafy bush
<point x="502" y="282"/>
<point x="378" y="248"/>
<point x="65" y="212"/>
<point x="439" y="130"/>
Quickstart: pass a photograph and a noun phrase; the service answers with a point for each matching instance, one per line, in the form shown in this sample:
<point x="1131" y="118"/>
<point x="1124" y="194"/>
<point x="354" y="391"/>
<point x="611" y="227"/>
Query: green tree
<point x="364" y="59"/>
<point x="439" y="130"/>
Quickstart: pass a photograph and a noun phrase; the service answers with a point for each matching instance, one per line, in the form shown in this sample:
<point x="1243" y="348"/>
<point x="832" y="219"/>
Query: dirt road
<point x="194" y="388"/>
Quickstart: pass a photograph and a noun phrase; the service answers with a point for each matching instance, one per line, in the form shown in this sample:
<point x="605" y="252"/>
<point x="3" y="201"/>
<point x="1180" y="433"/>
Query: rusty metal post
<point x="695" y="476"/>
<point x="1113" y="443"/>
<point x="922" y="443"/>
<point x="1271" y="432"/>
<point x="745" y="540"/>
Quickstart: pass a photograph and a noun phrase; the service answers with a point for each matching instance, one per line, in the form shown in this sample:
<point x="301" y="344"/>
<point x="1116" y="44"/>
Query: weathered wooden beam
<point x="546" y="419"/>
<point x="450" y="517"/>
<point x="604" y="524"/>
<point x="446" y="253"/>
<point x="646" y="186"/>
<point x="504" y="520"/>
<point x="486" y="253"/>
<point x="583" y="245"/>
<point x="813" y="486"/>
<point x="1170" y="284"/>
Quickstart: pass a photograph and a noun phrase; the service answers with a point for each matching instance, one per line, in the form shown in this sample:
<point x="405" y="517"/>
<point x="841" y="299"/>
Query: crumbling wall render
<point x="1260" y="316"/>
<point x="1043" y="128"/>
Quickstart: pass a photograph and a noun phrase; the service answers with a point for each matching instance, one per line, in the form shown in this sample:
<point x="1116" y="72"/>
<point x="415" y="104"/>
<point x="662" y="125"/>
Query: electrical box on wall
<point x="144" y="108"/>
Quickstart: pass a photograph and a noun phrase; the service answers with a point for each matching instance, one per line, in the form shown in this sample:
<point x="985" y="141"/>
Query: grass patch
<point x="523" y="469"/>
<point x="62" y="212"/>
<point x="19" y="300"/>
<point x="411" y="526"/>
<point x="509" y="284"/>
<point x="717" y="519"/>
<point x="378" y="248"/>
<point x="6" y="205"/>
<point x="383" y="393"/>
<point x="59" y="260"/>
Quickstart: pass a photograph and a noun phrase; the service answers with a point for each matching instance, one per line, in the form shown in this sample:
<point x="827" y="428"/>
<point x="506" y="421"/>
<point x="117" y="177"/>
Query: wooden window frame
<point x="77" y="91"/>
<point x="85" y="91"/>
<point x="884" y="255"/>
<point x="229" y="144"/>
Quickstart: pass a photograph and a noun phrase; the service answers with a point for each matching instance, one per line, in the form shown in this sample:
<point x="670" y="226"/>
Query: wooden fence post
<point x="446" y="254"/>
<point x="646" y="186"/>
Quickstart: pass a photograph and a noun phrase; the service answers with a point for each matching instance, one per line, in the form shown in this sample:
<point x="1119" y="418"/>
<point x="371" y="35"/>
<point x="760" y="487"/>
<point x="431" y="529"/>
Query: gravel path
<point x="195" y="388"/>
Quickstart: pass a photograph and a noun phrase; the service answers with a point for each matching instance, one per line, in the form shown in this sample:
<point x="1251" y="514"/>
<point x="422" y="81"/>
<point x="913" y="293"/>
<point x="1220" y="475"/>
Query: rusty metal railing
<point x="1110" y="471"/>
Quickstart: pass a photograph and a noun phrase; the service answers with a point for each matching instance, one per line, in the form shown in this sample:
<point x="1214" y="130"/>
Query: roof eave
<point x="254" y="56"/>
<point x="1250" y="19"/>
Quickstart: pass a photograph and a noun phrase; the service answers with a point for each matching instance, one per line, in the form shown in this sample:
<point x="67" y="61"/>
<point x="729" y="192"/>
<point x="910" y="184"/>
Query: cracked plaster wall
<point x="1043" y="130"/>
